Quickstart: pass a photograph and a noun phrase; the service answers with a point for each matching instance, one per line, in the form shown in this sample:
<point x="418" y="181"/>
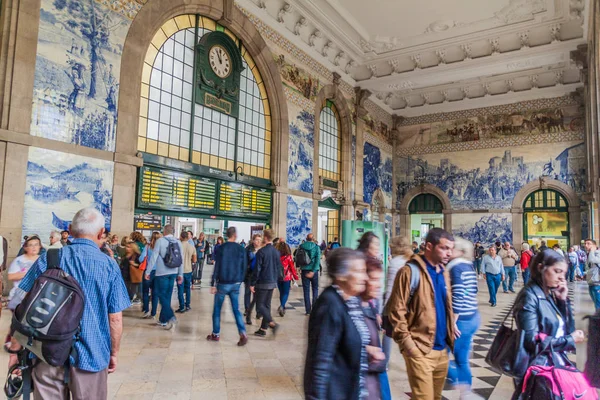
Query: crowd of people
<point x="426" y="303"/>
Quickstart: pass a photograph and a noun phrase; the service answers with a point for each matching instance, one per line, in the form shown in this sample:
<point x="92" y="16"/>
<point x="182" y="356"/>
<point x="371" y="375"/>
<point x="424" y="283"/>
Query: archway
<point x="546" y="209"/>
<point x="148" y="21"/>
<point x="433" y="192"/>
<point x="426" y="212"/>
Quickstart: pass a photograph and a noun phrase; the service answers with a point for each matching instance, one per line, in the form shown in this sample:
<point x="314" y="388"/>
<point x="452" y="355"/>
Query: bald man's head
<point x="310" y="237"/>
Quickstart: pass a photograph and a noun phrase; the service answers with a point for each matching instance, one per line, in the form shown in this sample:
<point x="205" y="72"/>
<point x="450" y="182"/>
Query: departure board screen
<point x="171" y="190"/>
<point x="244" y="200"/>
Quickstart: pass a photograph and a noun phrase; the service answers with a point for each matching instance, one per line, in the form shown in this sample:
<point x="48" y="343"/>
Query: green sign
<point x="353" y="230"/>
<point x="218" y="73"/>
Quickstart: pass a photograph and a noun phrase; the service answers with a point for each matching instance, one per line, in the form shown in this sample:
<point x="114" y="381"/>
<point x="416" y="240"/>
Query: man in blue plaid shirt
<point x="102" y="321"/>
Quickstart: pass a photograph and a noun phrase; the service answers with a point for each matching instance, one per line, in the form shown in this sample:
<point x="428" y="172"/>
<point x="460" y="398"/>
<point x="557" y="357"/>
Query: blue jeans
<point x="232" y="290"/>
<point x="306" y="284"/>
<point x="164" y="287"/>
<point x="284" y="292"/>
<point x="571" y="274"/>
<point x="459" y="371"/>
<point x="148" y="287"/>
<point x="493" y="282"/>
<point x="186" y="287"/>
<point x="511" y="276"/>
<point x="478" y="265"/>
<point x="595" y="293"/>
<point x="525" y="276"/>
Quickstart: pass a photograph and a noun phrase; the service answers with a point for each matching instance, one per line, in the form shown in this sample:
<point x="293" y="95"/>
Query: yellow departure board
<point x="244" y="200"/>
<point x="171" y="190"/>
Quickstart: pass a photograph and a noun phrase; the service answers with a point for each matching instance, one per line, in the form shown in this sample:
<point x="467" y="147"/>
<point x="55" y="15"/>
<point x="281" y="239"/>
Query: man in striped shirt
<point x="466" y="315"/>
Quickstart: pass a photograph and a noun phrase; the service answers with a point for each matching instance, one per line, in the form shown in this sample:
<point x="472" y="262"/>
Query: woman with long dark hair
<point x="543" y="312"/>
<point x="289" y="275"/>
<point x="130" y="263"/>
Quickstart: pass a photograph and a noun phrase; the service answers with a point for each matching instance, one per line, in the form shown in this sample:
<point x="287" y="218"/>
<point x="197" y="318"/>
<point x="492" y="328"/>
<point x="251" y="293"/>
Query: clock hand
<point x="219" y="55"/>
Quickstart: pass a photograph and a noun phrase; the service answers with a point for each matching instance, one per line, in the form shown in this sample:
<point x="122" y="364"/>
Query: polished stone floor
<point x="181" y="364"/>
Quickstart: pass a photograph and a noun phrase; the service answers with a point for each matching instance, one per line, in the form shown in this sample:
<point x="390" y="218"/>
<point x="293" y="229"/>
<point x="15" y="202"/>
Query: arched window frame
<point x="545" y="199"/>
<point x="250" y="148"/>
<point x="330" y="142"/>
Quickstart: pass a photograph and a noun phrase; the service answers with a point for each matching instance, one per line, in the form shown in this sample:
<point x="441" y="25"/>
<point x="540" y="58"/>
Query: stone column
<point x="14" y="174"/>
<point x="517" y="226"/>
<point x="361" y="112"/>
<point x="404" y="223"/>
<point x="124" y="192"/>
<point x="447" y="220"/>
<point x="279" y="218"/>
<point x="17" y="64"/>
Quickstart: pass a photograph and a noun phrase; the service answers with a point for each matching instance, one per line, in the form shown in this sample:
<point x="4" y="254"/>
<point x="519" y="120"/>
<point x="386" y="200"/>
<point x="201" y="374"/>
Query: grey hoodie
<point x="593" y="274"/>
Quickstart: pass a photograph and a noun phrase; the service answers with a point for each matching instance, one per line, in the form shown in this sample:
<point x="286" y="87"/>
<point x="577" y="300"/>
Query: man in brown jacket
<point x="424" y="323"/>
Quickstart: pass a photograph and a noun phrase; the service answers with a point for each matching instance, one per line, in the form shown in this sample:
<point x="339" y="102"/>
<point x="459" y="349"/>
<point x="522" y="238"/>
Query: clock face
<point x="220" y="62"/>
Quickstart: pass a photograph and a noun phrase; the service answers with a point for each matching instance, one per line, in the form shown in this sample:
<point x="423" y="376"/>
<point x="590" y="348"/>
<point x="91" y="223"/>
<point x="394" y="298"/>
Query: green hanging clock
<point x="218" y="73"/>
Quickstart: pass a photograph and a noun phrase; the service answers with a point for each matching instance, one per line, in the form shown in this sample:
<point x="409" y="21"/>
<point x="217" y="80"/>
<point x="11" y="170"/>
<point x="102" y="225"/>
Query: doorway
<point x="328" y="221"/>
<point x="546" y="217"/>
<point x="425" y="214"/>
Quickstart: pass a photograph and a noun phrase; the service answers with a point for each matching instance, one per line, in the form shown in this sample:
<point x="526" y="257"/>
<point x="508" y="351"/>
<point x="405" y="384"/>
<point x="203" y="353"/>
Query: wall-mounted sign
<point x="243" y="200"/>
<point x="147" y="222"/>
<point x="171" y="190"/>
<point x="545" y="223"/>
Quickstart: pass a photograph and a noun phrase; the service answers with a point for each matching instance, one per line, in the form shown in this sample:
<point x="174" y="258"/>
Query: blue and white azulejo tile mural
<point x="299" y="219"/>
<point x="60" y="184"/>
<point x="302" y="148"/>
<point x="484" y="228"/>
<point x="490" y="178"/>
<point x="377" y="173"/>
<point x="77" y="70"/>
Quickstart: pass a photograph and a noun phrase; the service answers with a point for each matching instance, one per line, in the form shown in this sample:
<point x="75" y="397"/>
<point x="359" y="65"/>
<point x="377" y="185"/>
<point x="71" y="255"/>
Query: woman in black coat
<point x="336" y="358"/>
<point x="543" y="312"/>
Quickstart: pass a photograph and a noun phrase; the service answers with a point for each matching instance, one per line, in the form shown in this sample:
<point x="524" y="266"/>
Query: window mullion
<point x="194" y="83"/>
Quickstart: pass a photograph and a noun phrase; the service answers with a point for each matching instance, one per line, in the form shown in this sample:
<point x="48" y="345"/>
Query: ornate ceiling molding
<point x="313" y="27"/>
<point x="509" y="108"/>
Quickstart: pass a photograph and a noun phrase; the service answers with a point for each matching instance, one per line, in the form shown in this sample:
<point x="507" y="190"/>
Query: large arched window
<point x="330" y="143"/>
<point x="173" y="125"/>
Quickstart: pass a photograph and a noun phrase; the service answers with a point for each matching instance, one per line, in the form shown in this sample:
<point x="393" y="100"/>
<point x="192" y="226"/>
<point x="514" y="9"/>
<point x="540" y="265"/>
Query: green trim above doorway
<point x="425" y="203"/>
<point x="546" y="199"/>
<point x="329" y="203"/>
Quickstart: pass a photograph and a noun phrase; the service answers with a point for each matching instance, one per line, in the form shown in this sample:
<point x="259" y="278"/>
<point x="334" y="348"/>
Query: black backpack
<point x="173" y="258"/>
<point x="302" y="258"/>
<point x="47" y="322"/>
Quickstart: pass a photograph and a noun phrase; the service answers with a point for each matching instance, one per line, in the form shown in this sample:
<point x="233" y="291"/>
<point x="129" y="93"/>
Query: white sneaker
<point x="146" y="315"/>
<point x="169" y="325"/>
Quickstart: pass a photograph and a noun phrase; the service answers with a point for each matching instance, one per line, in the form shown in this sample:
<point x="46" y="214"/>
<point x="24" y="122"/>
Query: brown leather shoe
<point x="243" y="340"/>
